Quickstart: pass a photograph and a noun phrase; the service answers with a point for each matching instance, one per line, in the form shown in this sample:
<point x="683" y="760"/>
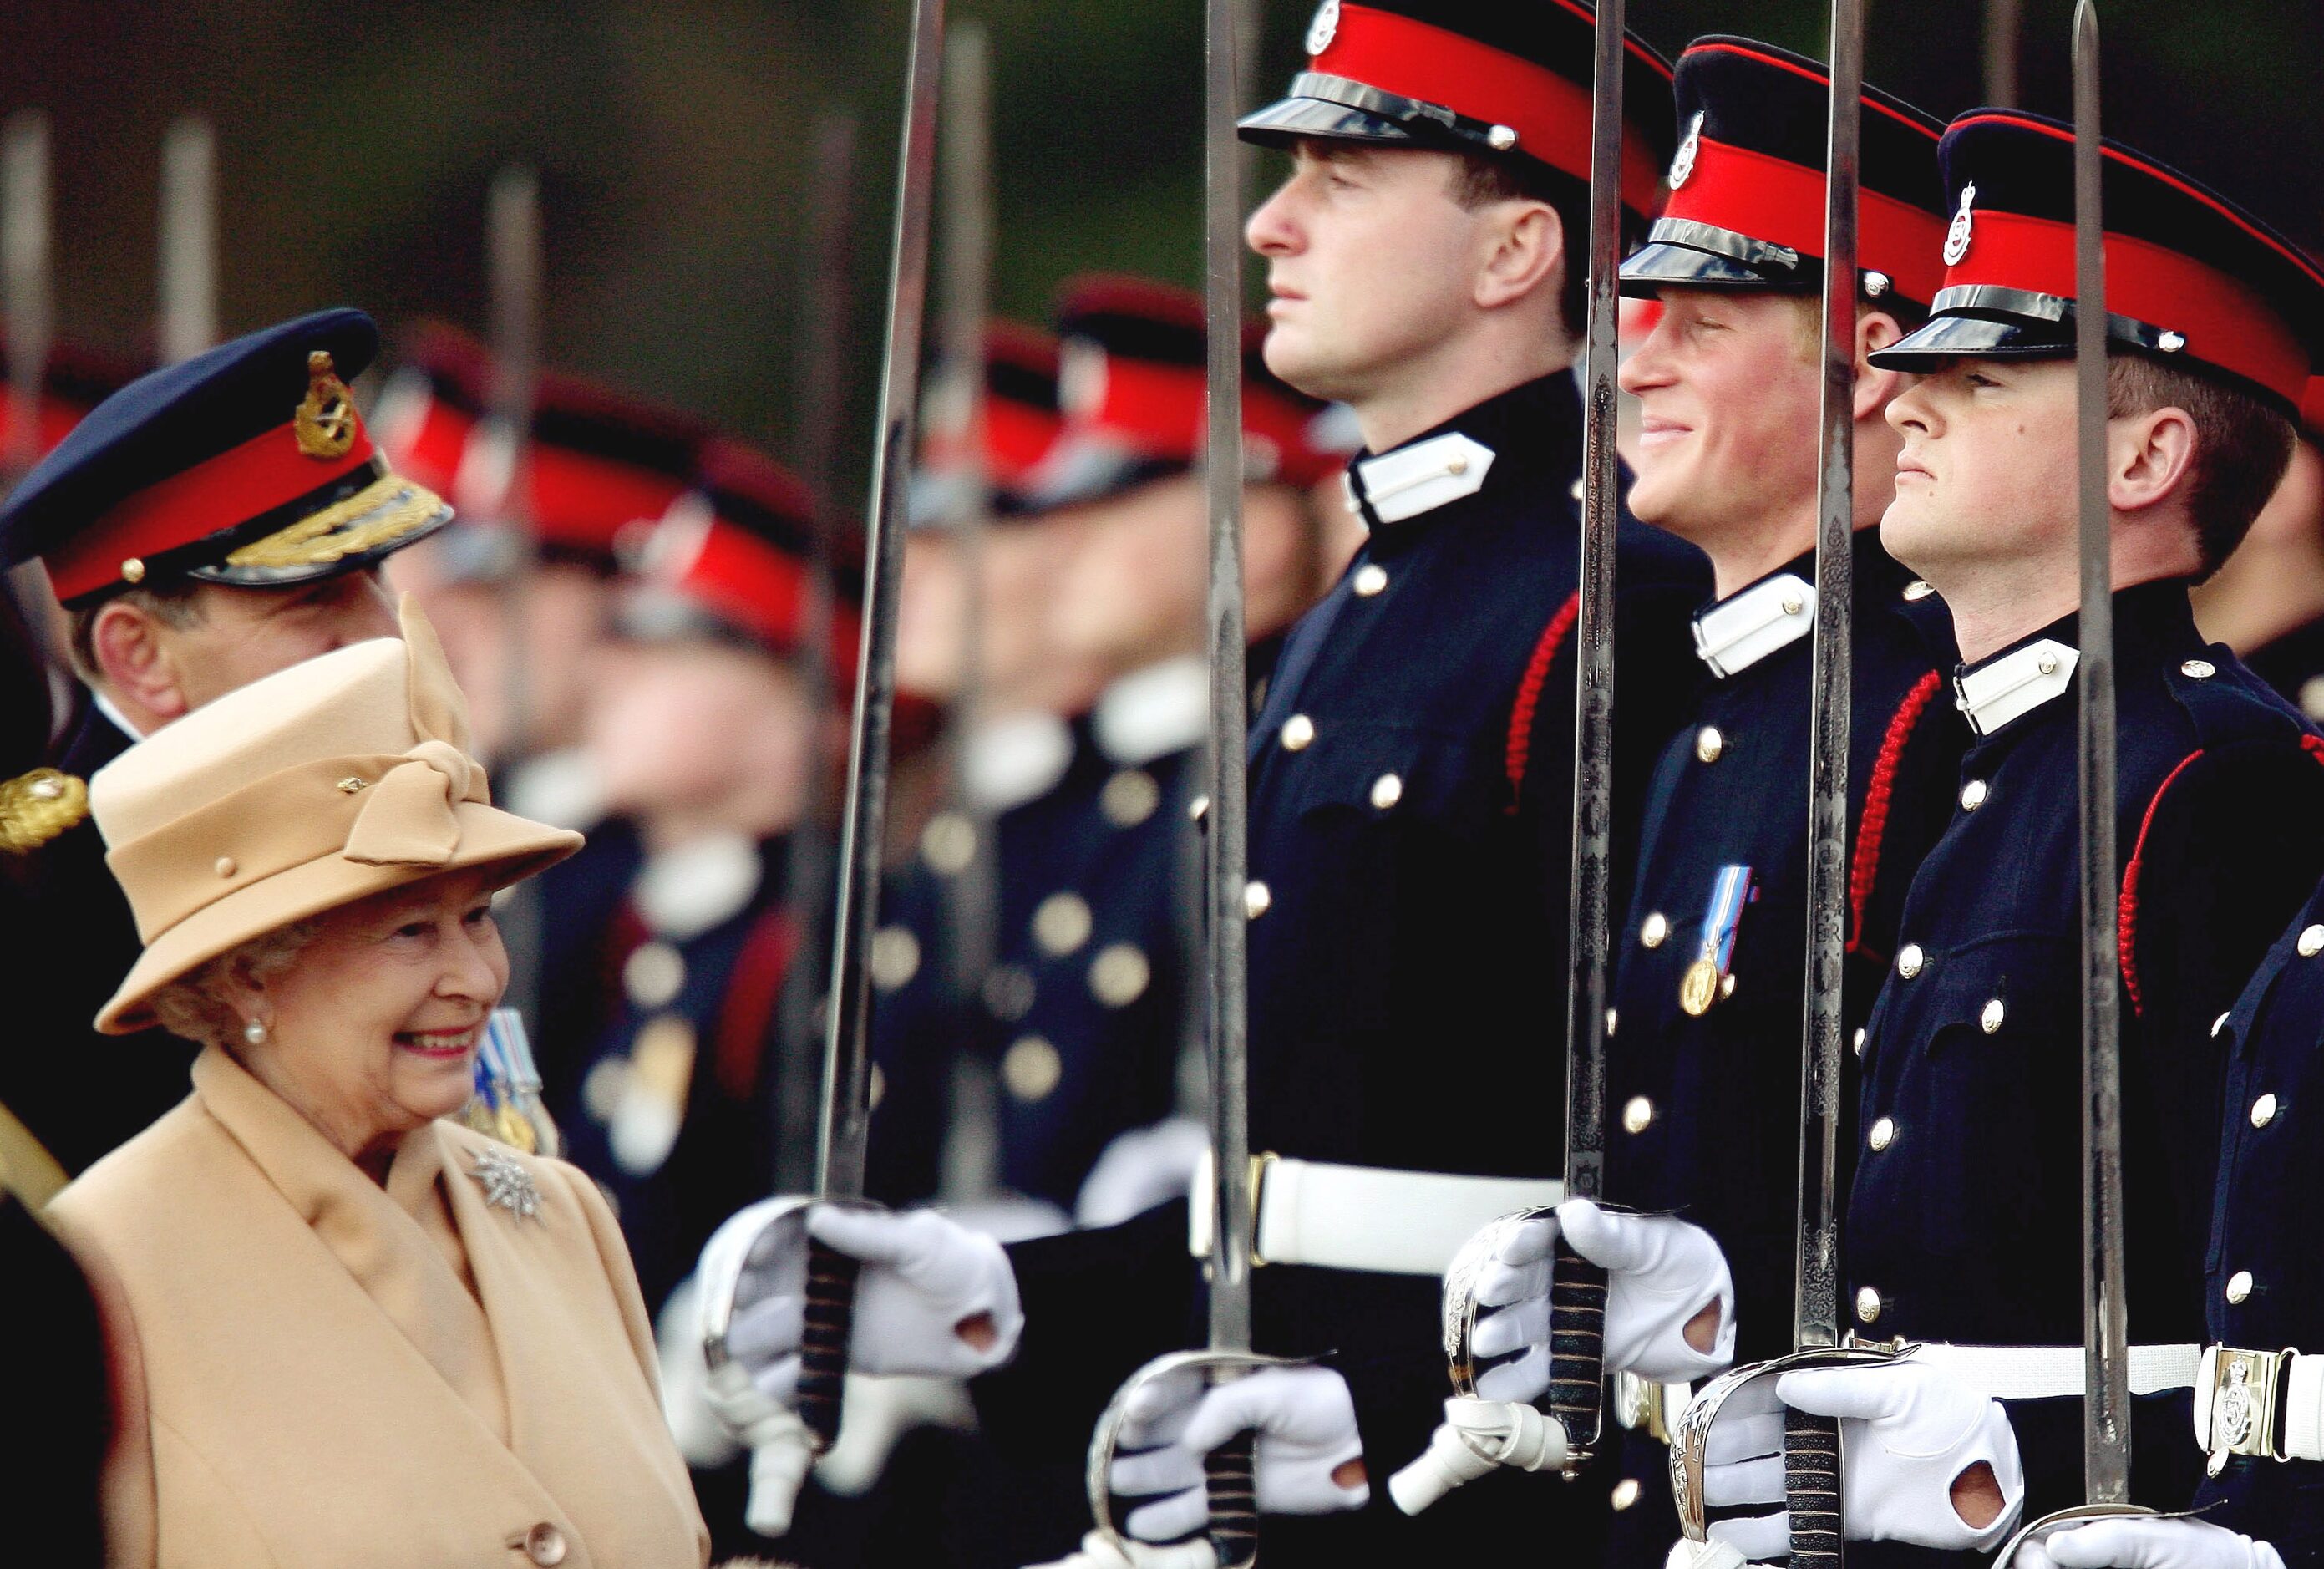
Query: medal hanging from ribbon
<point x="1704" y="982"/>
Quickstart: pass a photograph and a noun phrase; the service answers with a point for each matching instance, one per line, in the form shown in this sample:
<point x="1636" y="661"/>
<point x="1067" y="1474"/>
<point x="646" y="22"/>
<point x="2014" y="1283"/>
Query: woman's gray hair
<point x="192" y="1006"/>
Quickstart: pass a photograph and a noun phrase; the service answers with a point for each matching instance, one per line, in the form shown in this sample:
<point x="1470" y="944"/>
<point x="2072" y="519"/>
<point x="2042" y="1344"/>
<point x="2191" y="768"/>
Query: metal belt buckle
<point x="1643" y="1405"/>
<point x="2242" y="1390"/>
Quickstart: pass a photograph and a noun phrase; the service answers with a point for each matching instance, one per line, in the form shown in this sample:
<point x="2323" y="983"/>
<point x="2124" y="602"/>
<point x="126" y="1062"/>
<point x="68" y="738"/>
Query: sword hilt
<point x="829" y="1322"/>
<point x="1230" y="1479"/>
<point x="1577" y="1352"/>
<point x="1811" y="1488"/>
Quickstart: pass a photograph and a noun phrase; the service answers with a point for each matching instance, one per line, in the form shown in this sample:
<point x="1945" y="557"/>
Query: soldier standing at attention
<point x="1962" y="1223"/>
<point x="1411" y="785"/>
<point x="208" y="524"/>
<point x="1703" y="1074"/>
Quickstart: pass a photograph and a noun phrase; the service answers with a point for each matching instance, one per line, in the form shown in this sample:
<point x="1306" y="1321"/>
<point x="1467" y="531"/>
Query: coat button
<point x="2239" y="1285"/>
<point x="1867" y="1306"/>
<point x="1654" y="930"/>
<point x="655" y="974"/>
<point x="1387" y="790"/>
<point x="1989" y="1020"/>
<point x="1708" y="744"/>
<point x="544" y="1544"/>
<point x="1918" y="590"/>
<point x="1626" y="1493"/>
<point x="2312" y="942"/>
<point x="895" y="959"/>
<point x="1859" y="1040"/>
<point x="1255" y="898"/>
<point x="1370" y="578"/>
<point x="2201" y="669"/>
<point x="1637" y="1114"/>
<point x="1298" y="732"/>
<point x="2263" y="1110"/>
<point x="1031" y="1067"/>
<point x="1973" y="795"/>
<point x="1062" y="923"/>
<point x="225" y="866"/>
<point x="1884" y="1134"/>
<point x="1909" y="959"/>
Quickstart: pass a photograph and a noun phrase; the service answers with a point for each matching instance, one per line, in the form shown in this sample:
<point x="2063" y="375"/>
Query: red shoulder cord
<point x="1864" y="868"/>
<point x="1521" y="715"/>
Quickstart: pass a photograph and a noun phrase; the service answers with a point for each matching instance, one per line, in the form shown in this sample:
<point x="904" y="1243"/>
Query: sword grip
<point x="830" y="1320"/>
<point x="1811" y="1488"/>
<point x="1577" y="1351"/>
<point x="1232" y="1487"/>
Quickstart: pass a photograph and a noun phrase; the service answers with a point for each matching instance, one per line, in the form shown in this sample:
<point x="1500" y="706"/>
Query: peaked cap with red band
<point x="1473" y="75"/>
<point x="734" y="558"/>
<point x="1021" y="423"/>
<point x="431" y="404"/>
<point x="1132" y="370"/>
<point x="247" y="465"/>
<point x="2191" y="277"/>
<point x="1747" y="186"/>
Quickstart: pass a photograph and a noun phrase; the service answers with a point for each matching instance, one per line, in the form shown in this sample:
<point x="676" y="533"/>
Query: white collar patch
<point x="1745" y="628"/>
<point x="684" y="892"/>
<point x="1010" y="761"/>
<point x="2017" y="683"/>
<point x="1426" y="475"/>
<point x="1154" y="712"/>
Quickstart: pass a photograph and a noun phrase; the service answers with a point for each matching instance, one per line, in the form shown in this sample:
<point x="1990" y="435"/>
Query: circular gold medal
<point x="1699" y="988"/>
<point x="515" y="1131"/>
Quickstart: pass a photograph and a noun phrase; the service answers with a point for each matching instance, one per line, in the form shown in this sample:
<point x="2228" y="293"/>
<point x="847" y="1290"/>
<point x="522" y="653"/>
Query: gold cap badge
<point x="327" y="422"/>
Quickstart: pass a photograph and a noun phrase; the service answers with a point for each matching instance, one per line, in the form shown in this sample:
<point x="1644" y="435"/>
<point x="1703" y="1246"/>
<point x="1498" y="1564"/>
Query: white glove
<point x="1476" y="1438"/>
<point x="2137" y="1542"/>
<point x="933" y="1297"/>
<point x="1096" y="1553"/>
<point x="1305" y="1422"/>
<point x="1661" y="1272"/>
<point x="1906" y="1432"/>
<point x="704" y="1435"/>
<point x="1139" y="1169"/>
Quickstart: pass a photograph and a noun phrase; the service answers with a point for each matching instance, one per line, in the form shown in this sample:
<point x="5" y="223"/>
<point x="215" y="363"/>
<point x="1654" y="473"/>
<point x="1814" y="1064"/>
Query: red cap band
<point x="426" y="441"/>
<point x="582" y="501"/>
<point x="2225" y="322"/>
<point x="265" y="473"/>
<point x="754" y="586"/>
<point x="1159" y="411"/>
<point x="1774" y="200"/>
<point x="1550" y="114"/>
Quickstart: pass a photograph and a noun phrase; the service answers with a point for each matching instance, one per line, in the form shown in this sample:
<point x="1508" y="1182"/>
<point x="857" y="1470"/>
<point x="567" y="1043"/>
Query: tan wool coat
<point x="321" y="1373"/>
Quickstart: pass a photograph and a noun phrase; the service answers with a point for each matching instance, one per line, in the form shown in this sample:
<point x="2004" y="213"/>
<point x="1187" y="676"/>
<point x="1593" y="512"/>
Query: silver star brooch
<point x="507" y="1184"/>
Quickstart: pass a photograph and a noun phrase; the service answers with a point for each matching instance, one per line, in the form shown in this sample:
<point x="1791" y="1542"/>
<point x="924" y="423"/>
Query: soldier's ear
<point x="136" y="660"/>
<point x="2152" y="457"/>
<point x="1523" y="252"/>
<point x="1875" y="331"/>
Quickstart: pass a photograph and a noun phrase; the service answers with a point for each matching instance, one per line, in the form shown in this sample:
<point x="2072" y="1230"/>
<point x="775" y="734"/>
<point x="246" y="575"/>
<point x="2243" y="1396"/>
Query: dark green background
<point x="356" y="141"/>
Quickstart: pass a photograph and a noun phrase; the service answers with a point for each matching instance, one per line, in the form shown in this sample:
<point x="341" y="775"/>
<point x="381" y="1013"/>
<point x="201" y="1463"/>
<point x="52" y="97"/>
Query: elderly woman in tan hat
<point x="351" y="1332"/>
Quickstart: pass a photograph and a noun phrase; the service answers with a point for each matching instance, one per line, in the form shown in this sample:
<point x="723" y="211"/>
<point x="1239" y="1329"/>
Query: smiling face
<point x="1728" y="388"/>
<point x="1371" y="265"/>
<point x="1986" y="480"/>
<point x="372" y="1029"/>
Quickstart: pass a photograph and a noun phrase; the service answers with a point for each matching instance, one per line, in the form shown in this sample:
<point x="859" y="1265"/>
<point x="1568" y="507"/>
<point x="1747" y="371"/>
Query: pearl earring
<point x="254" y="1032"/>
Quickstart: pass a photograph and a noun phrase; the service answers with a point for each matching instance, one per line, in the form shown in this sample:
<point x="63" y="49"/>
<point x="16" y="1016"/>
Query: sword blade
<point x="845" y="1113"/>
<point x="188" y="239"/>
<point x="1816" y="1273"/>
<point x="24" y="274"/>
<point x="2106" y="1408"/>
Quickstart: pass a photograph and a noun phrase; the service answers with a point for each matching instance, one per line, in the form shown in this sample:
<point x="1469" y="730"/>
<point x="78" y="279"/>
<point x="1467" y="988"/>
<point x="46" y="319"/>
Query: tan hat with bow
<point x="335" y="780"/>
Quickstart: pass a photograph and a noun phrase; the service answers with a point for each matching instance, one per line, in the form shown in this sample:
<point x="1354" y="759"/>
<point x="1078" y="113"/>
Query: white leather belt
<point x="2239" y="1393"/>
<point x="2049" y="1373"/>
<point x="1365" y="1217"/>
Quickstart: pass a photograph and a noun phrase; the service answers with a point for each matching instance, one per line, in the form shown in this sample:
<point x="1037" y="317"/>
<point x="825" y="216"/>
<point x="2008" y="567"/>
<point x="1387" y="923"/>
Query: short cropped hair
<point x="2242" y="445"/>
<point x="1482" y="178"/>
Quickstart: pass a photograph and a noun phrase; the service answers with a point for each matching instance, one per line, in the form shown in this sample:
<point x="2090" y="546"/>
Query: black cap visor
<point x="1989" y="321"/>
<point x="1684" y="253"/>
<point x="1288" y="121"/>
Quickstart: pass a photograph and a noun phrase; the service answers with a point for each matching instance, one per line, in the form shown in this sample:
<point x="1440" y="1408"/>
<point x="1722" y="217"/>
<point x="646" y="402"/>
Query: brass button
<point x="2201" y="669"/>
<point x="2312" y="942"/>
<point x="1370" y="578"/>
<point x="1867" y="1306"/>
<point x="1909" y="959"/>
<point x="1298" y="733"/>
<point x="225" y="866"/>
<point x="1199" y="807"/>
<point x="1973" y="795"/>
<point x="1708" y="744"/>
<point x="1793" y="604"/>
<point x="1130" y="797"/>
<point x="2263" y="1110"/>
<point x="1989" y="1020"/>
<point x="877" y="1090"/>
<point x="1255" y="898"/>
<point x="1062" y="923"/>
<point x="1610" y="1024"/>
<point x="1461" y="465"/>
<point x="1655" y="930"/>
<point x="948" y="844"/>
<point x="133" y="570"/>
<point x="544" y="1544"/>
<point x="1119" y="975"/>
<point x="1859" y="1040"/>
<point x="1727" y="985"/>
<point x="655" y="972"/>
<point x="1918" y="590"/>
<point x="1637" y="1114"/>
<point x="1884" y="1134"/>
<point x="895" y="958"/>
<point x="2239" y="1285"/>
<point x="1031" y="1067"/>
<point x="2047" y="664"/>
<point x="1626" y="1493"/>
<point x="1387" y="790"/>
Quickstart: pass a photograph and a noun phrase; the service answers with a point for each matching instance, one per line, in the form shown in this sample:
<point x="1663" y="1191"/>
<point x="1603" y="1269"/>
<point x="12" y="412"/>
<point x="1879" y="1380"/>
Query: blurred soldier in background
<point x="2267" y="602"/>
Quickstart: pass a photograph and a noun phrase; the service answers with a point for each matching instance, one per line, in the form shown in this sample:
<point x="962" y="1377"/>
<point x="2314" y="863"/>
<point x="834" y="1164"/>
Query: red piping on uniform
<point x="760" y="971"/>
<point x="1865" y="871"/>
<point x="2126" y="908"/>
<point x="1544" y="652"/>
